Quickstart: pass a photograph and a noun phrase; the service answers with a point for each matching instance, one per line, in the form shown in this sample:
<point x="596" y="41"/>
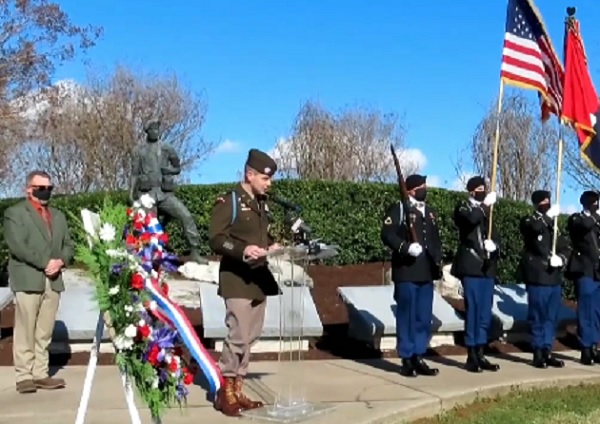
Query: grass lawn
<point x="569" y="405"/>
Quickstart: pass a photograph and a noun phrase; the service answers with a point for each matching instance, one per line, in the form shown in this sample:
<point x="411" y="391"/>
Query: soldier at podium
<point x="239" y="233"/>
<point x="584" y="269"/>
<point x="542" y="273"/>
<point x="475" y="264"/>
<point x="415" y="264"/>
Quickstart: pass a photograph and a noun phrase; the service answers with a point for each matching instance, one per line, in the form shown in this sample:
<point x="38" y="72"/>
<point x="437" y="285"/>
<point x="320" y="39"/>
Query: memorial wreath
<point x="148" y="330"/>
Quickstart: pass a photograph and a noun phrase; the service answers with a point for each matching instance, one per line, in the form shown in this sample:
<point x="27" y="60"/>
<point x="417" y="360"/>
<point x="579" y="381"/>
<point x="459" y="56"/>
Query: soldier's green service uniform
<point x="240" y="219"/>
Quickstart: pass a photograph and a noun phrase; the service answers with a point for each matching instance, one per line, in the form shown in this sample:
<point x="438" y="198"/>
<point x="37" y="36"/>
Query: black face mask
<point x="543" y="208"/>
<point x="42" y="194"/>
<point x="479" y="195"/>
<point x="420" y="194"/>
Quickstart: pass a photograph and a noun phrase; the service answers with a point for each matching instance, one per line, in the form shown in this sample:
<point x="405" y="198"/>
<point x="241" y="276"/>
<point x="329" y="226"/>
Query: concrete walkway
<point x="367" y="392"/>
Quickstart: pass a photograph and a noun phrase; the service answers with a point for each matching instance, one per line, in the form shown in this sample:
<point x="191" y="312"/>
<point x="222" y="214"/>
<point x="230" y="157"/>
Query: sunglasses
<point x="43" y="187"/>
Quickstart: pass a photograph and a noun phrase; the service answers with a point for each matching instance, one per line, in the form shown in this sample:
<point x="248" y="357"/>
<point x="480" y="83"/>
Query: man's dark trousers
<point x="544" y="304"/>
<point x="478" y="294"/>
<point x="588" y="311"/>
<point x="414" y="302"/>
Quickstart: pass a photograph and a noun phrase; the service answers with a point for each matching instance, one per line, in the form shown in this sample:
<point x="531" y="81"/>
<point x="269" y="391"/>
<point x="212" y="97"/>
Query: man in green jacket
<point x="39" y="246"/>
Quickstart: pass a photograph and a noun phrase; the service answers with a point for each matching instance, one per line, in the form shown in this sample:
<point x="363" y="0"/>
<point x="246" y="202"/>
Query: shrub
<point x="346" y="214"/>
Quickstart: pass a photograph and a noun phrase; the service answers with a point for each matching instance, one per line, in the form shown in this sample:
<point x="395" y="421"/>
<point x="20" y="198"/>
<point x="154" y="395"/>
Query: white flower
<point x="141" y="323"/>
<point x="168" y="358"/>
<point x="113" y="290"/>
<point x="130" y="331"/>
<point x="123" y="343"/>
<point x="155" y="383"/>
<point x="107" y="232"/>
<point x="147" y="201"/>
<point x="115" y="253"/>
<point x="128" y="308"/>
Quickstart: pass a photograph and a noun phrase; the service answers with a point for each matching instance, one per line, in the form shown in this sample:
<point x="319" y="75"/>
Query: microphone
<point x="285" y="203"/>
<point x="300" y="225"/>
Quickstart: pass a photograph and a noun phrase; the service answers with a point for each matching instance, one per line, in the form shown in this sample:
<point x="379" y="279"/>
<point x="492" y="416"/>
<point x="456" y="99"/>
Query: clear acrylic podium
<point x="291" y="403"/>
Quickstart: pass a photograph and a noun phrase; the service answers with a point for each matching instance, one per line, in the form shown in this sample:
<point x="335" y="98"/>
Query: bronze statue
<point x="154" y="166"/>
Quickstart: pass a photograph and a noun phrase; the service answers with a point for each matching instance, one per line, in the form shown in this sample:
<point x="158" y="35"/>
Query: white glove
<point x="553" y="212"/>
<point x="556" y="261"/>
<point x="490" y="199"/>
<point x="415" y="249"/>
<point x="489" y="246"/>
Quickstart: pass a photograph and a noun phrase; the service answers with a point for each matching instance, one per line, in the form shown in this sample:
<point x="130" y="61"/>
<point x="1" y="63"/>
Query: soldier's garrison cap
<point x="539" y="195"/>
<point x="475" y="182"/>
<point x="261" y="162"/>
<point x="415" y="180"/>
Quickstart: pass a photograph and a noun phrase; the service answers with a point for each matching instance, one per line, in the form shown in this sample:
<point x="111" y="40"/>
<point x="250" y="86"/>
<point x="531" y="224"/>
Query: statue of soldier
<point x="154" y="167"/>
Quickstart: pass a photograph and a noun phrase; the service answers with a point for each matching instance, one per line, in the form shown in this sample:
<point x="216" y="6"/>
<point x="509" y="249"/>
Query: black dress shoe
<point x="595" y="354"/>
<point x="472" y="364"/>
<point x="407" y="369"/>
<point x="587" y="356"/>
<point x="552" y="361"/>
<point x="422" y="368"/>
<point x="484" y="363"/>
<point x="539" y="361"/>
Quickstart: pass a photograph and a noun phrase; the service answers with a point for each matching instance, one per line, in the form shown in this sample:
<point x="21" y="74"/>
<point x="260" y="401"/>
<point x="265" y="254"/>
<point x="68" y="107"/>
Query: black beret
<point x="261" y="162"/>
<point x="475" y="182"/>
<point x="589" y="197"/>
<point x="539" y="195"/>
<point x="415" y="180"/>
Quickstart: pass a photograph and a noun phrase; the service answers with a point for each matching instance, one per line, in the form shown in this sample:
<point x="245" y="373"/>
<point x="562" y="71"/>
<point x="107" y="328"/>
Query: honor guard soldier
<point x="239" y="232"/>
<point x="415" y="264"/>
<point x="584" y="269"/>
<point x="542" y="273"/>
<point x="475" y="264"/>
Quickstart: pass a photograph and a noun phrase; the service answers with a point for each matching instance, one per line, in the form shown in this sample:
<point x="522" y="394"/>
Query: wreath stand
<point x="134" y="414"/>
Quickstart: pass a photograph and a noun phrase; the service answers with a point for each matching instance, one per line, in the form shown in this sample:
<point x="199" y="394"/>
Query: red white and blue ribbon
<point x="169" y="312"/>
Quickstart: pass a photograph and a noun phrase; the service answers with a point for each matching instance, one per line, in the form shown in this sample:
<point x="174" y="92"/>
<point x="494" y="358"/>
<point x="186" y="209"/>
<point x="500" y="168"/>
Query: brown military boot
<point x="226" y="401"/>
<point x="242" y="399"/>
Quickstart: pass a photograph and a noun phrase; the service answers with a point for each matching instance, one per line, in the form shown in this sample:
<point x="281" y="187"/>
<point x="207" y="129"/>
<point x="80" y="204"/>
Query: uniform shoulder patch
<point x="388" y="221"/>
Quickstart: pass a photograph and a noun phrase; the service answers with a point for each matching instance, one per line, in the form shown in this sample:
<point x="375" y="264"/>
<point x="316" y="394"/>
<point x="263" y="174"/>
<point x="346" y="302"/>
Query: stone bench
<point x="299" y="321"/>
<point x="510" y="309"/>
<point x="77" y="316"/>
<point x="372" y="317"/>
<point x="6" y="298"/>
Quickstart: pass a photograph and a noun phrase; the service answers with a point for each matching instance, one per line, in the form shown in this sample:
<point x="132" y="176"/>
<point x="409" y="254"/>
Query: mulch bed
<point x="334" y="344"/>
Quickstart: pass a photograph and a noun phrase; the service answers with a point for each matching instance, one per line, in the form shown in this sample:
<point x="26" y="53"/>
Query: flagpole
<point x="558" y="182"/>
<point x="495" y="155"/>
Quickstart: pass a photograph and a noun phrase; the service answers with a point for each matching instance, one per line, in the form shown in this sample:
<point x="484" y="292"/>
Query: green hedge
<point x="347" y="214"/>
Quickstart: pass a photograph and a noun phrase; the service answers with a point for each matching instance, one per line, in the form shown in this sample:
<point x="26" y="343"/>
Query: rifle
<point x="403" y="196"/>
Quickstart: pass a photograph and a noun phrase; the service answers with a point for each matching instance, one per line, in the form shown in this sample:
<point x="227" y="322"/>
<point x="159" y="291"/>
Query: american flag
<point x="528" y="58"/>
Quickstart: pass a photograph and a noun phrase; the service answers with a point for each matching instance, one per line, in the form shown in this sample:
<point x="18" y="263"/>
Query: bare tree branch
<point x="527" y="148"/>
<point x="84" y="135"/>
<point x="352" y="145"/>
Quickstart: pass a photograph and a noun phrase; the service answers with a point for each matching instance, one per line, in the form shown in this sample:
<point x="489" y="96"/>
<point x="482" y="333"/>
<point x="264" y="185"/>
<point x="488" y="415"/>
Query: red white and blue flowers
<point x="130" y="276"/>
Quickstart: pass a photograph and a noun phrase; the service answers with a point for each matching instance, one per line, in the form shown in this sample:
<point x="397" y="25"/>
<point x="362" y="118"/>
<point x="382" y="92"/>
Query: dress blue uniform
<point x="542" y="272"/>
<point x="475" y="264"/>
<point x="584" y="269"/>
<point x="415" y="264"/>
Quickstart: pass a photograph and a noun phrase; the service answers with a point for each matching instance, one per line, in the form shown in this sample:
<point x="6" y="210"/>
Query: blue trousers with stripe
<point x="478" y="294"/>
<point x="544" y="305"/>
<point x="588" y="311"/>
<point x="414" y="303"/>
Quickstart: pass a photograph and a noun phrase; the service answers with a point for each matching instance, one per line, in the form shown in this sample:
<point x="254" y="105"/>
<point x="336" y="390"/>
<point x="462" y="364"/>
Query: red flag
<point x="580" y="100"/>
